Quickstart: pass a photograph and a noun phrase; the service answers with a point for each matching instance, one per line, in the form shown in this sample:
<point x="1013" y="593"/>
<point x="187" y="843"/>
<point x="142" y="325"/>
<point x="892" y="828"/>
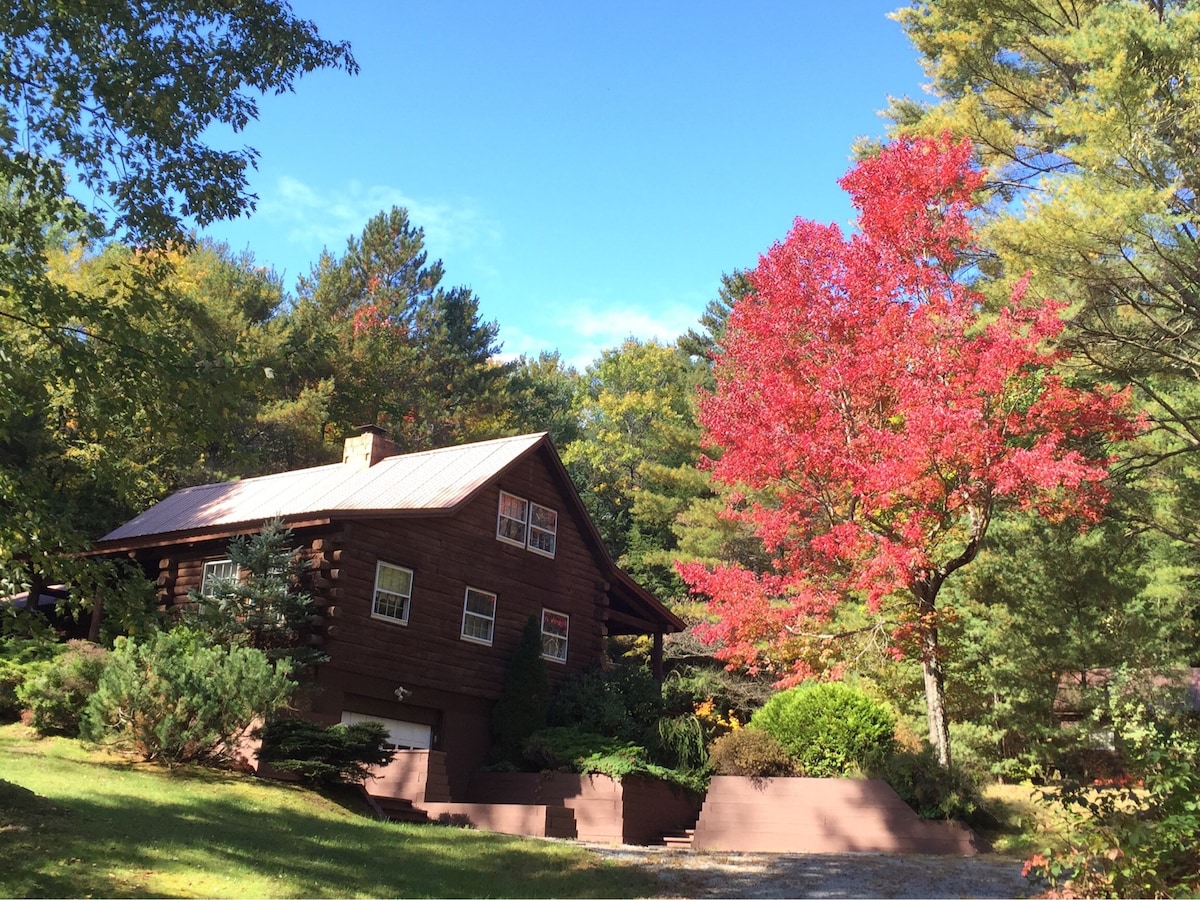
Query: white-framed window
<point x="543" y="529"/>
<point x="393" y="591"/>
<point x="527" y="524"/>
<point x="216" y="571"/>
<point x="555" y="626"/>
<point x="479" y="616"/>
<point x="513" y="520"/>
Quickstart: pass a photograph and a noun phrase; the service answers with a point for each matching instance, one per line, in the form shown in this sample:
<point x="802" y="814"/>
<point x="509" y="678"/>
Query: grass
<point x="1028" y="824"/>
<point x="78" y="823"/>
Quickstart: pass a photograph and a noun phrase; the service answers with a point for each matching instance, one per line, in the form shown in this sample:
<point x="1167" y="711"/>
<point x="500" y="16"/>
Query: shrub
<point x="174" y="699"/>
<point x="571" y="749"/>
<point x="678" y="742"/>
<point x="932" y="790"/>
<point x="1136" y="838"/>
<point x="323" y="754"/>
<point x="621" y="700"/>
<point x="564" y="748"/>
<point x="264" y="608"/>
<point x="524" y="697"/>
<point x="21" y="658"/>
<point x="830" y="728"/>
<point x="59" y="690"/>
<point x="753" y="752"/>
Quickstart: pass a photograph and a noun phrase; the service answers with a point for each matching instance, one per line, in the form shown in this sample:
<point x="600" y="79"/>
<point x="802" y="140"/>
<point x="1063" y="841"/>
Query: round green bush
<point x="830" y="728"/>
<point x="752" y="752"/>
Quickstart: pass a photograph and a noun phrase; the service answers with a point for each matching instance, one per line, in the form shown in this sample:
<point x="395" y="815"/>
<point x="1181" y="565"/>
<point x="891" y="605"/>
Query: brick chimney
<point x="370" y="446"/>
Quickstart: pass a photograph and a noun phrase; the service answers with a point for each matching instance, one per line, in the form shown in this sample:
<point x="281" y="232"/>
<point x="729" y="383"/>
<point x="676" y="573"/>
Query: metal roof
<point x="430" y="481"/>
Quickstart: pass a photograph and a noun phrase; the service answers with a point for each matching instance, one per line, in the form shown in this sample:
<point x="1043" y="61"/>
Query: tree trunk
<point x="935" y="698"/>
<point x="935" y="676"/>
<point x="97" y="616"/>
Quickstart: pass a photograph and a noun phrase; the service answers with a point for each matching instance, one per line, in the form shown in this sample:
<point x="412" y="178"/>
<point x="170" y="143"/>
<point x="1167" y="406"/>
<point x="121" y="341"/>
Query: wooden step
<point x="679" y="840"/>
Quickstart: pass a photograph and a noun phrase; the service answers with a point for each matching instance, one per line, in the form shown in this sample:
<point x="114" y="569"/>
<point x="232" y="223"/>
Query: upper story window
<point x="527" y="524"/>
<point x="555" y="626"/>
<point x="216" y="571"/>
<point x="513" y="520"/>
<point x="393" y="591"/>
<point x="543" y="529"/>
<point x="479" y="616"/>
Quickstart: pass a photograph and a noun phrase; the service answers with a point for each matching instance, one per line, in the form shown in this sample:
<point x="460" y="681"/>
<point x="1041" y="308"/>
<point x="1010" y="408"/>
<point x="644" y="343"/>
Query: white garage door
<point x="401" y="735"/>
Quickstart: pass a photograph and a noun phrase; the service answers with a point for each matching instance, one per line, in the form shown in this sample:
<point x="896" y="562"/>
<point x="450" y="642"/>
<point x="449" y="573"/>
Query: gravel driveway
<point x="684" y="873"/>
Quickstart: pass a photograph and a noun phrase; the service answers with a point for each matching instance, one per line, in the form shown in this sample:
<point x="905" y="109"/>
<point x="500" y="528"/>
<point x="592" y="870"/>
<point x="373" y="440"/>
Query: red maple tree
<point x="877" y="416"/>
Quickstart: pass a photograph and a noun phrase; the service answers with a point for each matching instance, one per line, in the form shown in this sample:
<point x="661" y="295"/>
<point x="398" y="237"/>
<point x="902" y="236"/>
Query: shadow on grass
<point x="220" y="841"/>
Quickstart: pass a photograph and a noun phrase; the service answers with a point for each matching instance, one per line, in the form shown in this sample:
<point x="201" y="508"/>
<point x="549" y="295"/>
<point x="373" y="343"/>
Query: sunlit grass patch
<point x="76" y="823"/>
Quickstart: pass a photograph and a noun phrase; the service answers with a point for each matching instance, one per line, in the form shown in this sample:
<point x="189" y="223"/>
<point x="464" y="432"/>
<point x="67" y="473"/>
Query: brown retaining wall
<point x="820" y="815"/>
<point x="506" y="818"/>
<point x="416" y="775"/>
<point x="629" y="811"/>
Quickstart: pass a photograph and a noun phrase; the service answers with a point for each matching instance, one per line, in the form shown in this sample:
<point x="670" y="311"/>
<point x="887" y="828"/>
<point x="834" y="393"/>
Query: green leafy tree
<point x="1045" y="602"/>
<point x="706" y="343"/>
<point x="123" y="100"/>
<point x="541" y="397"/>
<point x="635" y="463"/>
<point x="1087" y="117"/>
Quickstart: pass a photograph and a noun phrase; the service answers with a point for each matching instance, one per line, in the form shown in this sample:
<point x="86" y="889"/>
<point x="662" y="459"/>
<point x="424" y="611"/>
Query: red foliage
<point x="877" y="414"/>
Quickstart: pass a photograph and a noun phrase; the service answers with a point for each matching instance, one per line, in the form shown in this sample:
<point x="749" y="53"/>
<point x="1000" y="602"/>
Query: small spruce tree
<point x="264" y="607"/>
<point x="524" y="698"/>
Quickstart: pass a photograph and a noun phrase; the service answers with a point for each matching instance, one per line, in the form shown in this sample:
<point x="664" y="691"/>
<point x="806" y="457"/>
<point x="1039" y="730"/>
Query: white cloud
<point x="584" y="329"/>
<point x="317" y="218"/>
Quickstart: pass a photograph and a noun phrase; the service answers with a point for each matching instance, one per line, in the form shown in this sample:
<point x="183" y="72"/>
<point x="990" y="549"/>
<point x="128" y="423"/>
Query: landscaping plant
<point x="264" y="607"/>
<point x="752" y="752"/>
<point x="324" y="754"/>
<point x="830" y="728"/>
<point x="58" y="691"/>
<point x="524" y="697"/>
<point x="22" y="655"/>
<point x="176" y="699"/>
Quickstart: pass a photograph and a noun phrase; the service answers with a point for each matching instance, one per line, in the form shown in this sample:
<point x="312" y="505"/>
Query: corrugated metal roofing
<point x="429" y="481"/>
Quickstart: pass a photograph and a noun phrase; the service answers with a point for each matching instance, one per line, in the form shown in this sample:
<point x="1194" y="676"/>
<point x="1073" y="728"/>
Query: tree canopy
<point x="882" y="419"/>
<point x="108" y="113"/>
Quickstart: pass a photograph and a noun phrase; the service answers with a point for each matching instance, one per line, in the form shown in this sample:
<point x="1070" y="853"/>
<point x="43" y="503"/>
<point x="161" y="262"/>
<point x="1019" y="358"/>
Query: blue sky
<point x="589" y="170"/>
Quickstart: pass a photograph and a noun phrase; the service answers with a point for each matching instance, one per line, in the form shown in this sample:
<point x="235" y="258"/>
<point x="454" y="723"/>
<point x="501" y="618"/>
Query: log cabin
<point x="425" y="568"/>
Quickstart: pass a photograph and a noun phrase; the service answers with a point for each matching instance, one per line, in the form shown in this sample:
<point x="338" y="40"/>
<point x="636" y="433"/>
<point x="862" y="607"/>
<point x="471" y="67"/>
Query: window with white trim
<point x="513" y="519"/>
<point x="393" y="591"/>
<point x="479" y="616"/>
<point x="215" y="572"/>
<point x="543" y="529"/>
<point x="555" y="626"/>
<point x="527" y="524"/>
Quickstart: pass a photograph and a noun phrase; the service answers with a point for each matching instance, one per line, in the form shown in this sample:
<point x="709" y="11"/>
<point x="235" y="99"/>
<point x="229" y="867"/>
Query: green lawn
<point x="75" y="823"/>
